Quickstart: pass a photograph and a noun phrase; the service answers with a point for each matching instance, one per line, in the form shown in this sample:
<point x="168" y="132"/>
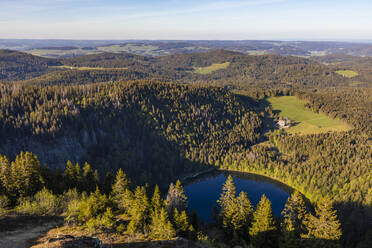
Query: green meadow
<point x="211" y="68"/>
<point x="347" y="73"/>
<point x="85" y="68"/>
<point x="305" y="121"/>
<point x="55" y="53"/>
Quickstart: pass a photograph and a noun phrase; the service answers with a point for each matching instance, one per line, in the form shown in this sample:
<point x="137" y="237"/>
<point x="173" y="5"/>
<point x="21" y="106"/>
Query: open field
<point x="305" y="121"/>
<point x="55" y="53"/>
<point x="347" y="73"/>
<point x="84" y="68"/>
<point x="130" y="48"/>
<point x="211" y="68"/>
<point x="140" y="49"/>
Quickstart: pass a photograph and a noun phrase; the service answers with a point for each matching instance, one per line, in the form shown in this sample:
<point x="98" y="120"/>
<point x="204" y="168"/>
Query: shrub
<point x="73" y="210"/>
<point x="106" y="220"/>
<point x="4" y="203"/>
<point x="68" y="197"/>
<point x="27" y="206"/>
<point x="92" y="212"/>
<point x="43" y="203"/>
<point x="48" y="202"/>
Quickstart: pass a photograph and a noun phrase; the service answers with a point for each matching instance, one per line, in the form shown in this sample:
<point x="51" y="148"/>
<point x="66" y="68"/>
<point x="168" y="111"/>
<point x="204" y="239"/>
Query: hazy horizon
<point x="178" y="40"/>
<point x="287" y="20"/>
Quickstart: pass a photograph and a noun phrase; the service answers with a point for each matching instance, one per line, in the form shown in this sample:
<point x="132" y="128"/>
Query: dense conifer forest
<point x="101" y="146"/>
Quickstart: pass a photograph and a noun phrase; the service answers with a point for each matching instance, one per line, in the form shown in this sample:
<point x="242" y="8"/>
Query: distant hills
<point x="71" y="48"/>
<point x="239" y="71"/>
<point x="242" y="70"/>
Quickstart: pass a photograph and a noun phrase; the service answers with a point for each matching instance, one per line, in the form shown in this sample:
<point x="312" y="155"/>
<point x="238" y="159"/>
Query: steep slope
<point x="142" y="127"/>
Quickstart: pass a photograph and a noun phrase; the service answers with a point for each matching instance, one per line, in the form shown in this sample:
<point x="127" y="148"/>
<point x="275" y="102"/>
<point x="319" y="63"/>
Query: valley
<point x="97" y="140"/>
<point x="185" y="124"/>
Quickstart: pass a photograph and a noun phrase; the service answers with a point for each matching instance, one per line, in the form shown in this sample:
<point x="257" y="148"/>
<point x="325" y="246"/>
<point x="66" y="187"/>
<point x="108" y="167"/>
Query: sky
<point x="187" y="19"/>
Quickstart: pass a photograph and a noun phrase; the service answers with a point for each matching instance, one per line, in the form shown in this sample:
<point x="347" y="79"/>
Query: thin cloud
<point x="221" y="5"/>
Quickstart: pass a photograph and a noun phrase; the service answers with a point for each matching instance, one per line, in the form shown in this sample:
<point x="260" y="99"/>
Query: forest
<point x="102" y="147"/>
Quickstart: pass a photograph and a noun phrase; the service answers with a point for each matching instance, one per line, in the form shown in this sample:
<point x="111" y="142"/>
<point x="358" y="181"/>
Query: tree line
<point x="120" y="206"/>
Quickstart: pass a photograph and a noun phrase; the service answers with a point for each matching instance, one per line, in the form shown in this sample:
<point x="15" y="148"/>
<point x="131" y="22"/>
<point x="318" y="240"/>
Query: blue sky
<point x="187" y="19"/>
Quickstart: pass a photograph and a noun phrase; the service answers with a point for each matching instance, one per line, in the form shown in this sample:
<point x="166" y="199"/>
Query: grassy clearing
<point x="55" y="53"/>
<point x="256" y="52"/>
<point x="347" y="73"/>
<point x="85" y="68"/>
<point x="357" y="83"/>
<point x="130" y="48"/>
<point x="211" y="68"/>
<point x="306" y="122"/>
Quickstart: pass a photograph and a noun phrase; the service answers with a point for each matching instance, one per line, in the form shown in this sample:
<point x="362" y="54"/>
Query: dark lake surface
<point x="203" y="191"/>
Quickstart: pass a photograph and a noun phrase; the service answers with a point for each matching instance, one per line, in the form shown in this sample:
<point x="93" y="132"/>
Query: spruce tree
<point x="243" y="215"/>
<point x="293" y="227"/>
<point x="228" y="205"/>
<point x="25" y="175"/>
<point x="176" y="197"/>
<point x="294" y="213"/>
<point x="138" y="211"/>
<point x="161" y="227"/>
<point x="263" y="227"/>
<point x="181" y="222"/>
<point x="69" y="175"/>
<point x="78" y="177"/>
<point x="121" y="194"/>
<point x="324" y="228"/>
<point x="88" y="178"/>
<point x="157" y="202"/>
<point x="5" y="179"/>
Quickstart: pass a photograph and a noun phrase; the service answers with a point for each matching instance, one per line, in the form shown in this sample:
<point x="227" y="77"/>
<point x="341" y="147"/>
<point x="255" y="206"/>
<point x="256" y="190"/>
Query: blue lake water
<point x="203" y="192"/>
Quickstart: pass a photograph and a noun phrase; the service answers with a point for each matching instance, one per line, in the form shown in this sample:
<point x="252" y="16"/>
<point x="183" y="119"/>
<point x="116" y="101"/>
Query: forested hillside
<point x="158" y="119"/>
<point x="243" y="71"/>
<point x="18" y="66"/>
<point x="156" y="127"/>
<point x="361" y="67"/>
<point x="336" y="164"/>
<point x="79" y="77"/>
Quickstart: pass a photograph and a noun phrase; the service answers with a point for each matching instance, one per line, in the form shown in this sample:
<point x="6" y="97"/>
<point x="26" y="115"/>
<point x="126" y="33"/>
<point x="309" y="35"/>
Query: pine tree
<point x="293" y="227"/>
<point x="78" y="177"/>
<point x="324" y="228"/>
<point x="93" y="206"/>
<point x="121" y="194"/>
<point x="25" y="175"/>
<point x="242" y="218"/>
<point x="181" y="222"/>
<point x="69" y="175"/>
<point x="88" y="178"/>
<point x="228" y="205"/>
<point x="294" y="213"/>
<point x="161" y="227"/>
<point x="139" y="211"/>
<point x="176" y="197"/>
<point x="157" y="202"/>
<point x="5" y="179"/>
<point x="263" y="227"/>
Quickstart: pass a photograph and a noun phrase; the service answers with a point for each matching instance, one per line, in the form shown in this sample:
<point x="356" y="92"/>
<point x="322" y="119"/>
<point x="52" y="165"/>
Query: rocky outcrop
<point x="57" y="152"/>
<point x="68" y="241"/>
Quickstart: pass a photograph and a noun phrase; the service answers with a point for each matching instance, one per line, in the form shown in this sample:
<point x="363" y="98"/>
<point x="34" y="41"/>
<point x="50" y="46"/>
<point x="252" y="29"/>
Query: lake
<point x="203" y="191"/>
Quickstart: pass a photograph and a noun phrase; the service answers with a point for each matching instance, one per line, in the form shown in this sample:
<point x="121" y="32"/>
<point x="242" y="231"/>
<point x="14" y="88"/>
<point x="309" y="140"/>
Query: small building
<point x="284" y="123"/>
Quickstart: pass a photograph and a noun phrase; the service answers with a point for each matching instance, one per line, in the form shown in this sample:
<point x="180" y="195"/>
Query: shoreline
<point x="287" y="187"/>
